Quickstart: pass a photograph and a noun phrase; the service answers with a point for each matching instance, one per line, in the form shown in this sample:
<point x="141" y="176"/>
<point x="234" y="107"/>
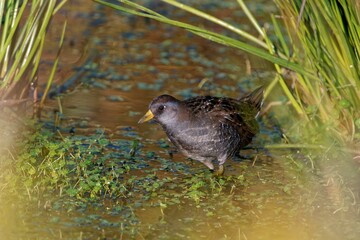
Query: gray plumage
<point x="209" y="128"/>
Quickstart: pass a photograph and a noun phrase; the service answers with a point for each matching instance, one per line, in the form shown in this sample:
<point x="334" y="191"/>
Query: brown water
<point x="279" y="200"/>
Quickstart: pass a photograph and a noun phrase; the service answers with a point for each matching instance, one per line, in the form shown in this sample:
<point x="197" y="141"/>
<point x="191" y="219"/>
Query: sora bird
<point x="207" y="128"/>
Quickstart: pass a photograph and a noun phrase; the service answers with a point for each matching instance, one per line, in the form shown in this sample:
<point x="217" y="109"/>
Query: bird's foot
<point x="220" y="171"/>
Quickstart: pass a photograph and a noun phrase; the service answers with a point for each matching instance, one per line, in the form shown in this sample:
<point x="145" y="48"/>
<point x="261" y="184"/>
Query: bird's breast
<point x="204" y="138"/>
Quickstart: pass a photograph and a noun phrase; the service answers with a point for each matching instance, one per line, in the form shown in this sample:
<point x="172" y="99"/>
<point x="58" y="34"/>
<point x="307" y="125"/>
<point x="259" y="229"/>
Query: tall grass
<point x="327" y="34"/>
<point x="323" y="86"/>
<point x="22" y="36"/>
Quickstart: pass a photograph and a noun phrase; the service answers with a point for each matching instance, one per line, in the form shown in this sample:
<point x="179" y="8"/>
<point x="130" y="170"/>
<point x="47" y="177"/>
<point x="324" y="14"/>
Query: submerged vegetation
<point x="98" y="167"/>
<point x="108" y="183"/>
<point x="93" y="177"/>
<point x="74" y="173"/>
<point x="320" y="48"/>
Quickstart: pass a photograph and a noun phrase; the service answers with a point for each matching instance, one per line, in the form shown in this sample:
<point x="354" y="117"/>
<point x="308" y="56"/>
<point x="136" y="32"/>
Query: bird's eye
<point x="161" y="108"/>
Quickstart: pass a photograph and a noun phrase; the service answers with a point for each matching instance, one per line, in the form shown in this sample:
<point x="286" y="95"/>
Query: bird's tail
<point x="255" y="98"/>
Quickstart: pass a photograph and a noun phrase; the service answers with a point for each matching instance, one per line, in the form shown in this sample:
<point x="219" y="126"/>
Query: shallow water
<point x="122" y="63"/>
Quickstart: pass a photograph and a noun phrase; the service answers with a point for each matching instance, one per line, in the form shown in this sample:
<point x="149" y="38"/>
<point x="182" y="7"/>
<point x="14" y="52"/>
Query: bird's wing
<point x="238" y="114"/>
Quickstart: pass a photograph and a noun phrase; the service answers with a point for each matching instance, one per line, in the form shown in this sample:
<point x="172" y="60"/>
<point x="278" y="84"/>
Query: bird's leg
<point x="219" y="172"/>
<point x="208" y="164"/>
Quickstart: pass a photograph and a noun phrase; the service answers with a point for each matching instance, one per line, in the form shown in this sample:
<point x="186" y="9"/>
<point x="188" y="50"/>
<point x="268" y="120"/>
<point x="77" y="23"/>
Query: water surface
<point x="121" y="63"/>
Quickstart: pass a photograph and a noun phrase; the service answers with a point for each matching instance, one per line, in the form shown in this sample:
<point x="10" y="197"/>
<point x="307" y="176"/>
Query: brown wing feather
<point x="240" y="114"/>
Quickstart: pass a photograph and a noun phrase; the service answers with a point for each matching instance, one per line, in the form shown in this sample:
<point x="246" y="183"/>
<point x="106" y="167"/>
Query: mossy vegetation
<point x="98" y="167"/>
<point x="91" y="177"/>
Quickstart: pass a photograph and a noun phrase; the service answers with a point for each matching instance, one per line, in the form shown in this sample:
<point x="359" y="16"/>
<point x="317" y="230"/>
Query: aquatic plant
<point x="23" y="30"/>
<point x="98" y="181"/>
<point x="316" y="60"/>
<point x="94" y="167"/>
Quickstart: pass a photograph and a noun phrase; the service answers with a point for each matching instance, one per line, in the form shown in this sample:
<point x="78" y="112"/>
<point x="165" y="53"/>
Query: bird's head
<point x="163" y="109"/>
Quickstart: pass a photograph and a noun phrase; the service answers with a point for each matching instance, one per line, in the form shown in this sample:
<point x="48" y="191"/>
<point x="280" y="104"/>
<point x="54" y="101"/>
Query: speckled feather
<point x="206" y="128"/>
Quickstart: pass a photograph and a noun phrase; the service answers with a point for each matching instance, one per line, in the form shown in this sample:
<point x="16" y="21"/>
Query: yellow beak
<point x="148" y="115"/>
